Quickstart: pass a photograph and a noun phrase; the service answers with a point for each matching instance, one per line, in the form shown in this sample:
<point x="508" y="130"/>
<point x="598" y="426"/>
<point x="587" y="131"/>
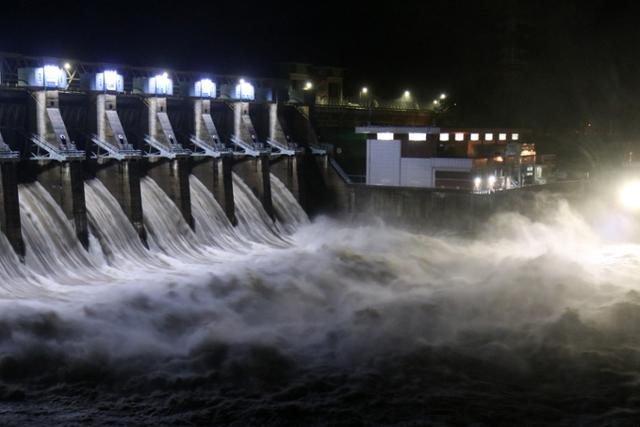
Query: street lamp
<point x="407" y="94"/>
<point x="364" y="90"/>
<point x="436" y="102"/>
<point x="443" y="96"/>
<point x="308" y="85"/>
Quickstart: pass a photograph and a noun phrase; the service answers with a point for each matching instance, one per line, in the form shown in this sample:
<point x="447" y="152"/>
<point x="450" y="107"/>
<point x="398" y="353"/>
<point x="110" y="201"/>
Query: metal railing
<point x="127" y="152"/>
<point x="213" y="149"/>
<point x="171" y="152"/>
<point x="64" y="153"/>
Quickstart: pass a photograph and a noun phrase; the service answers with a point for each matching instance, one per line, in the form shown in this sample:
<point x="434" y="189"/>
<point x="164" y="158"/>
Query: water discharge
<point x="286" y="206"/>
<point x="323" y="323"/>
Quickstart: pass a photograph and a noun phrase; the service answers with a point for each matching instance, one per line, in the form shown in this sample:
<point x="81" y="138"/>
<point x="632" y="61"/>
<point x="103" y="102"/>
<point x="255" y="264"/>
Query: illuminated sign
<point x="49" y="76"/>
<point x="204" y="88"/>
<point x="444" y="137"/>
<point x="417" y="136"/>
<point x="244" y="90"/>
<point x="108" y="80"/>
<point x="385" y="136"/>
<point x="161" y="85"/>
<point x="53" y="76"/>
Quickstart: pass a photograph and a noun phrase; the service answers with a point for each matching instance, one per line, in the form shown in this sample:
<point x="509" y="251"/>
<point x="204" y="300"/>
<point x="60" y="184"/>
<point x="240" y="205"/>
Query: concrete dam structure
<point x="73" y="160"/>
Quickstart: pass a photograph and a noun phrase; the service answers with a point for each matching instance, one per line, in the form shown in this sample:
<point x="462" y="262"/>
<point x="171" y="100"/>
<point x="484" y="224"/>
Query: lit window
<point x="502" y="136"/>
<point x="385" y="136"/>
<point x="459" y="136"/>
<point x="417" y="136"/>
<point x="515" y="136"/>
<point x="444" y="137"/>
<point x="475" y="136"/>
<point x="488" y="137"/>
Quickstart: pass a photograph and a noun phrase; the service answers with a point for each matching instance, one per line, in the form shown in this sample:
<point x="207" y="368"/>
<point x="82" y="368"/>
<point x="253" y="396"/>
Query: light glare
<point x="629" y="195"/>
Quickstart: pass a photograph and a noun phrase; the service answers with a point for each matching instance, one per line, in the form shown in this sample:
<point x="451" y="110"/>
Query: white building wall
<point x="415" y="172"/>
<point x="383" y="162"/>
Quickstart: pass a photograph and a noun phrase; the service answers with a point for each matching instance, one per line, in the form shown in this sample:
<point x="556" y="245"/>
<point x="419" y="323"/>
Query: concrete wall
<point x="289" y="170"/>
<point x="172" y="175"/>
<point x="255" y="173"/>
<point x="10" y="206"/>
<point x="215" y="174"/>
<point x="65" y="183"/>
<point x="122" y="179"/>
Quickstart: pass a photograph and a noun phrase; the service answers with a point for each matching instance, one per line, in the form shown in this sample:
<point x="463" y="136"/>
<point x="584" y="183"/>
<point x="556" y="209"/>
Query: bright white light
<point x="491" y="180"/>
<point x="459" y="136"/>
<point x="488" y="137"/>
<point x="385" y="136"/>
<point x="443" y="96"/>
<point x="435" y="102"/>
<point x="515" y="136"/>
<point x="308" y="86"/>
<point x="477" y="181"/>
<point x="161" y="84"/>
<point x="245" y="90"/>
<point x="112" y="81"/>
<point x="444" y="137"/>
<point x="502" y="136"/>
<point x="475" y="136"/>
<point x="417" y="136"/>
<point x="67" y="66"/>
<point x="53" y="76"/>
<point x="407" y="94"/>
<point x="364" y="90"/>
<point x="629" y="195"/>
<point x="205" y="88"/>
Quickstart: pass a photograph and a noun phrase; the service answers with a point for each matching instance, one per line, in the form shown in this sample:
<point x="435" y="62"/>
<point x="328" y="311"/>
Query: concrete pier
<point x="117" y="164"/>
<point x="172" y="176"/>
<point x="57" y="162"/>
<point x="289" y="170"/>
<point x="254" y="171"/>
<point x="254" y="165"/>
<point x="65" y="183"/>
<point x="215" y="174"/>
<point x="122" y="179"/>
<point x="212" y="162"/>
<point x="168" y="162"/>
<point x="9" y="202"/>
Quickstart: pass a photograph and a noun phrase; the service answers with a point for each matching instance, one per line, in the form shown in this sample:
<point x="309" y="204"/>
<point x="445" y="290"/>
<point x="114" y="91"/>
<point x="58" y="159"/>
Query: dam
<point x="83" y="158"/>
<point x="100" y="153"/>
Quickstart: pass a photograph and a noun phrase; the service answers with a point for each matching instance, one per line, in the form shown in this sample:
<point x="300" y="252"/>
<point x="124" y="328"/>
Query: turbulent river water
<point x="292" y="322"/>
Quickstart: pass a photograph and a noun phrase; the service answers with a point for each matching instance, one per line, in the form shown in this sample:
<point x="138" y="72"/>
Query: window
<point x="475" y="136"/>
<point x="488" y="137"/>
<point x="444" y="137"/>
<point x="502" y="136"/>
<point x="417" y="136"/>
<point x="385" y="136"/>
<point x="459" y="136"/>
<point x="515" y="136"/>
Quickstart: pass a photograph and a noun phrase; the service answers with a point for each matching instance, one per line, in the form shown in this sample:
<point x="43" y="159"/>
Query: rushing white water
<point x="166" y="227"/>
<point x="211" y="223"/>
<point x="118" y="239"/>
<point x="287" y="208"/>
<point x="52" y="246"/>
<point x="253" y="221"/>
<point x="336" y="313"/>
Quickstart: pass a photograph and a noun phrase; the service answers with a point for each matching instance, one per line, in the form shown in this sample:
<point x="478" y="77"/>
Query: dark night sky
<point x="544" y="64"/>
